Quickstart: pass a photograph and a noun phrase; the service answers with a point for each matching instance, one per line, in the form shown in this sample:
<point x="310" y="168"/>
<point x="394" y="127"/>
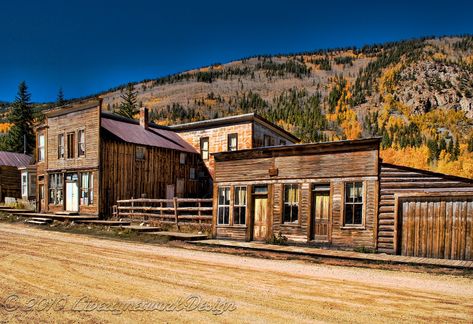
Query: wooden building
<point x="10" y="180"/>
<point x="340" y="194"/>
<point x="88" y="159"/>
<point x="232" y="133"/>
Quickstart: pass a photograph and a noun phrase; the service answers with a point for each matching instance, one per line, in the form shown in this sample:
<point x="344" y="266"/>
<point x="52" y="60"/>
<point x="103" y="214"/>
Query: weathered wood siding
<point x="10" y="182"/>
<point x="218" y="139"/>
<point x="306" y="168"/>
<point x="124" y="177"/>
<point x="437" y="227"/>
<point x="396" y="180"/>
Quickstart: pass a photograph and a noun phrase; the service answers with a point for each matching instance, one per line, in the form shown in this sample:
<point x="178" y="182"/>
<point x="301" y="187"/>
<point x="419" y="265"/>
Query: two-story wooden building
<point x="232" y="133"/>
<point x="341" y="194"/>
<point x="88" y="159"/>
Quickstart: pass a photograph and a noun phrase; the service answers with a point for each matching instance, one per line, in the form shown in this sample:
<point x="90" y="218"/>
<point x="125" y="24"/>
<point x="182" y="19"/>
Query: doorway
<point x="320" y="213"/>
<point x="260" y="213"/>
<point x="72" y="192"/>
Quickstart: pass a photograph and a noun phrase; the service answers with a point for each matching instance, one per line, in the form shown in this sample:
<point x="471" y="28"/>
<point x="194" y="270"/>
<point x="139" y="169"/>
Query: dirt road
<point x="52" y="276"/>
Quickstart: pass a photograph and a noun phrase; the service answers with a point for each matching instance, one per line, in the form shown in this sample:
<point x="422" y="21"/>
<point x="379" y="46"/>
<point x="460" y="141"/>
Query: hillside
<point x="416" y="94"/>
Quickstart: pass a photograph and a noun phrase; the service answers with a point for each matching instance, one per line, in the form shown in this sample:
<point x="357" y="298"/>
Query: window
<point x="70" y="145"/>
<point x="60" y="146"/>
<point x="192" y="173"/>
<point x="55" y="189"/>
<point x="81" y="142"/>
<point x="268" y="140"/>
<point x="224" y="205"/>
<point x="354" y="203"/>
<point x="41" y="147"/>
<point x="239" y="208"/>
<point x="182" y="158"/>
<point x="87" y="188"/>
<point x="260" y="189"/>
<point x="282" y="142"/>
<point x="291" y="204"/>
<point x="204" y="147"/>
<point x="232" y="142"/>
<point x="140" y="153"/>
<point x="24" y="184"/>
<point x="32" y="184"/>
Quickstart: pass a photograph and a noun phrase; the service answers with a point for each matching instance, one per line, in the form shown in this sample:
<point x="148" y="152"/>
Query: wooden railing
<point x="177" y="211"/>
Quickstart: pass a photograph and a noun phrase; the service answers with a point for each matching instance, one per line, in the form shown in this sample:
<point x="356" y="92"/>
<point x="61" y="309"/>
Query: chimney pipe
<point x="144" y="117"/>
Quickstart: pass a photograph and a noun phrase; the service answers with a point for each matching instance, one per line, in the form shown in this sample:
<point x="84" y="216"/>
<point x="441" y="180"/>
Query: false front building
<point x="88" y="159"/>
<point x="341" y="194"/>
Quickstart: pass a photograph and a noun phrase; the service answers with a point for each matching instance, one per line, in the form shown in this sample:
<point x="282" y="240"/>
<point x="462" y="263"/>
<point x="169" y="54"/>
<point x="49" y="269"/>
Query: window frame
<point x="61" y="149"/>
<point x="141" y="149"/>
<point x="79" y="154"/>
<point x="89" y="189"/>
<point x="207" y="151"/>
<point x="224" y="206"/>
<point x="71" y="145"/>
<point x="240" y="206"/>
<point x="24" y="184"/>
<point x="362" y="203"/>
<point x="292" y="205"/>
<point x="229" y="137"/>
<point x="41" y="150"/>
<point x="55" y="187"/>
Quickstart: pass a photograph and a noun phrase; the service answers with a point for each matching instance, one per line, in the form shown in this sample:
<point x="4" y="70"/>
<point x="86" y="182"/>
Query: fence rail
<point x="177" y="211"/>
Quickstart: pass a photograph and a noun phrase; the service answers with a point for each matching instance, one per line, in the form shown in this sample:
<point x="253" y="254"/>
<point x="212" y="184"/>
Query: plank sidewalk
<point x="338" y="254"/>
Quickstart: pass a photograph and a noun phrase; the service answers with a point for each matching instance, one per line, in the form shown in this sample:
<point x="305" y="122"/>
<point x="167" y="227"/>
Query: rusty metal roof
<point x="15" y="159"/>
<point x="130" y="131"/>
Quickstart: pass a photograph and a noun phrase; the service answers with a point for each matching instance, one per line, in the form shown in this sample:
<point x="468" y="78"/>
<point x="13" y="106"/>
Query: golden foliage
<point x="387" y="81"/>
<point x="4" y="127"/>
<point x="439" y="57"/>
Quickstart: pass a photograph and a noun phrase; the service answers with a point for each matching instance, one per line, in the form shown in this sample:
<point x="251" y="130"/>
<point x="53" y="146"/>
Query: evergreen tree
<point x="60" y="101"/>
<point x="22" y="119"/>
<point x="128" y="107"/>
<point x="456" y="150"/>
<point x="434" y="152"/>
<point x="470" y="144"/>
<point x="386" y="141"/>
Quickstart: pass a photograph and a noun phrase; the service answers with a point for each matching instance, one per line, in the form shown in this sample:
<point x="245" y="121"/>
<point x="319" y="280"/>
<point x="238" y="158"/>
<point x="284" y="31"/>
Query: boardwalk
<point x="35" y="263"/>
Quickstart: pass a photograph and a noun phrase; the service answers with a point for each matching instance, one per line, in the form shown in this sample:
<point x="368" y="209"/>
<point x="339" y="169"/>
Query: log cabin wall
<point x="124" y="175"/>
<point x="403" y="181"/>
<point x="306" y="166"/>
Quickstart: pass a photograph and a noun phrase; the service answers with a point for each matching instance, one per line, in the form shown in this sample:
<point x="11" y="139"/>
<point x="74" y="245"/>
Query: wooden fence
<point x="177" y="211"/>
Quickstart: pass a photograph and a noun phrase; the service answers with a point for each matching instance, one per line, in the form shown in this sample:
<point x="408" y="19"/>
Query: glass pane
<point x="260" y="189"/>
<point x="349" y="192"/>
<point x="358" y="214"/>
<point x="287" y="214"/>
<point x="240" y="195"/>
<point x="295" y="214"/>
<point x="348" y="214"/>
<point x="359" y="192"/>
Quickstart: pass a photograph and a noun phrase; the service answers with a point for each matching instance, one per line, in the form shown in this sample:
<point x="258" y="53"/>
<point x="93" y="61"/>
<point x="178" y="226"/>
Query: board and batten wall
<point x="306" y="168"/>
<point x="125" y="177"/>
<point x="397" y="181"/>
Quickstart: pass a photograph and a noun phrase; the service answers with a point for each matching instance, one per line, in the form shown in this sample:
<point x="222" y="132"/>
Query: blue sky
<point x="89" y="46"/>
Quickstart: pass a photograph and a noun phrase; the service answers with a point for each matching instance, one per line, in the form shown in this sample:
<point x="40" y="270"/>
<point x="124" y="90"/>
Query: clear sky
<point x="88" y="46"/>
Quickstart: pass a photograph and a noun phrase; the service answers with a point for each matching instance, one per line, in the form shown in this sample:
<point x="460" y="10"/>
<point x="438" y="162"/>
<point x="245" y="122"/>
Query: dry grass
<point x="38" y="263"/>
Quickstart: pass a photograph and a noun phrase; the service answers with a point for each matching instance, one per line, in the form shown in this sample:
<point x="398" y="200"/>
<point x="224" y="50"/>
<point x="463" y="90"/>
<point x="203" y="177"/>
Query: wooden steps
<point x="58" y="217"/>
<point x="179" y="236"/>
<point x="66" y="213"/>
<point x="39" y="221"/>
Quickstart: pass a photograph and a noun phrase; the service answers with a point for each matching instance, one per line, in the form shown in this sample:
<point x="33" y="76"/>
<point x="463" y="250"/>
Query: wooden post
<point x="199" y="212"/>
<point x="175" y="212"/>
<point x="132" y="210"/>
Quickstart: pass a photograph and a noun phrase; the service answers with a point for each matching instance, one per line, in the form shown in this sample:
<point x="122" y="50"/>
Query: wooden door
<point x="260" y="225"/>
<point x="320" y="215"/>
<point x="438" y="227"/>
<point x="72" y="196"/>
<point x="42" y="203"/>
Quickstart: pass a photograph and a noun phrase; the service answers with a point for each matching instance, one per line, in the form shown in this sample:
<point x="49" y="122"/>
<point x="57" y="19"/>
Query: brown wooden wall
<point x="124" y="177"/>
<point x="306" y="169"/>
<point x="436" y="227"/>
<point x="395" y="180"/>
<point x="88" y="120"/>
<point x="10" y="182"/>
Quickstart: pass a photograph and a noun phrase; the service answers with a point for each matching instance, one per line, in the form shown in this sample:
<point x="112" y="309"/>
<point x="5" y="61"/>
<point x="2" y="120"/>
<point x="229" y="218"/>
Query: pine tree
<point x="128" y="107"/>
<point x="456" y="150"/>
<point x="22" y="119"/>
<point x="60" y="101"/>
<point x="470" y="144"/>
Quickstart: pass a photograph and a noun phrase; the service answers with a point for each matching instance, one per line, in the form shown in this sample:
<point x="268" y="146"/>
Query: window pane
<point x="358" y="210"/>
<point x="295" y="214"/>
<point x="349" y="214"/>
<point x="287" y="213"/>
